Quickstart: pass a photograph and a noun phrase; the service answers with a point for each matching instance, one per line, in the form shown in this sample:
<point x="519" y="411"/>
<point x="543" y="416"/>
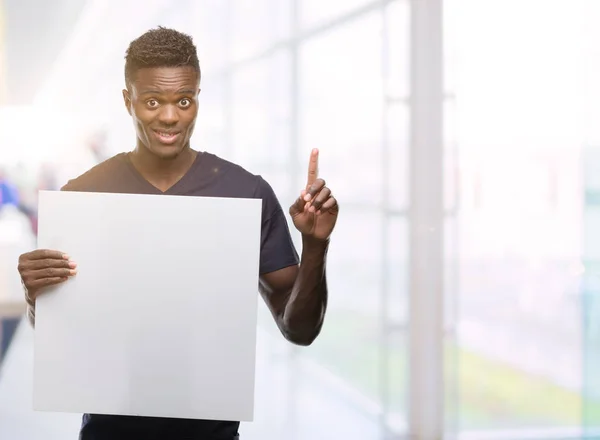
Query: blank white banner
<point x="160" y="320"/>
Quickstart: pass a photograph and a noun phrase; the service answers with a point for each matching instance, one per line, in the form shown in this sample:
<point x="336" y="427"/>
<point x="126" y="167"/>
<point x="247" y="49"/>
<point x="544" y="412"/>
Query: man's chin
<point x="167" y="152"/>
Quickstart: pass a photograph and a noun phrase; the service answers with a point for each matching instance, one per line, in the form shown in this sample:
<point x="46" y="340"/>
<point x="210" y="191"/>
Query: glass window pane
<point x="591" y="323"/>
<point x="349" y="344"/>
<point x="452" y="16"/>
<point x="520" y="223"/>
<point x="397" y="160"/>
<point x="451" y="158"/>
<point x="347" y="354"/>
<point x="326" y="408"/>
<point x="260" y="115"/>
<point x="211" y="133"/>
<point x="591" y="289"/>
<point x="397" y="17"/>
<point x="395" y="350"/>
<point x="397" y="386"/>
<point x="592" y="71"/>
<point x="517" y="318"/>
<point x="258" y="24"/>
<point x="396" y="271"/>
<point x="314" y="12"/>
<point x="452" y="409"/>
<point x="209" y="29"/>
<point x="341" y="107"/>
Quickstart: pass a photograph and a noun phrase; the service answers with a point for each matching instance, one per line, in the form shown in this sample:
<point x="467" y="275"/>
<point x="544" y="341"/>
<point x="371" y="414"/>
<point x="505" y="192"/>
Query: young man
<point x="162" y="77"/>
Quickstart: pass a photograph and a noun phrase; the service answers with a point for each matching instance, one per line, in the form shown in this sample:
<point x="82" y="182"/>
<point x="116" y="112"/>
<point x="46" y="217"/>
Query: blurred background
<point x="462" y="139"/>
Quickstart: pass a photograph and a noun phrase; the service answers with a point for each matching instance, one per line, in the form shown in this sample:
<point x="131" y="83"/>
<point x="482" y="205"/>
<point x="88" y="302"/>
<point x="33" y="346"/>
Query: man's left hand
<point x="315" y="212"/>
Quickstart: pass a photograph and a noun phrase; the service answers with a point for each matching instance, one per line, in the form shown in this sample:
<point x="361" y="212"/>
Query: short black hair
<point x="160" y="47"/>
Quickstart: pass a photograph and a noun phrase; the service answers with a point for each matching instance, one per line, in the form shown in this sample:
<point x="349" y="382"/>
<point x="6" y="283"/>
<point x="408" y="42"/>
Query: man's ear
<point x="127" y="100"/>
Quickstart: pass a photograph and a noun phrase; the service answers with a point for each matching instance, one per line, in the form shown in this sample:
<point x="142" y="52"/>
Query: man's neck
<point x="162" y="173"/>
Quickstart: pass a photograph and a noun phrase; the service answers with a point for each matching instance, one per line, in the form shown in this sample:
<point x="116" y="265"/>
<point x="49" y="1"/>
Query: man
<point x="162" y="77"/>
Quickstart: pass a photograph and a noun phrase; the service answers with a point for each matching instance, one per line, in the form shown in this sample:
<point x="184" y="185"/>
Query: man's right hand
<point x="43" y="268"/>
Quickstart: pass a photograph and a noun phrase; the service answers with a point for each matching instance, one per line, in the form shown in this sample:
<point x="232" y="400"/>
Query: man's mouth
<point x="166" y="137"/>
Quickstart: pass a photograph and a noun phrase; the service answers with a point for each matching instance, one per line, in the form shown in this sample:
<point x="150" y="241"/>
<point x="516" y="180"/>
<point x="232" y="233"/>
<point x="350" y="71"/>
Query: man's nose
<point x="169" y="115"/>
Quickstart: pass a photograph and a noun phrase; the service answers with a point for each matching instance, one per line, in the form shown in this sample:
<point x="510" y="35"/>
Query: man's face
<point x="163" y="103"/>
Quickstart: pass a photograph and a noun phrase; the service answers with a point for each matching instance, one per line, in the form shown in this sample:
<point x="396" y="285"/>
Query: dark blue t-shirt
<point x="209" y="176"/>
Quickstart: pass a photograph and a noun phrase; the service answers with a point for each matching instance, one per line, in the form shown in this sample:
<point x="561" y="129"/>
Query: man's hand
<point x="315" y="212"/>
<point x="43" y="268"/>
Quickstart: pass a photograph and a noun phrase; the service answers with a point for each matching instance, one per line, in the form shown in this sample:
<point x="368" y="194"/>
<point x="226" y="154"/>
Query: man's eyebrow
<point x="150" y="92"/>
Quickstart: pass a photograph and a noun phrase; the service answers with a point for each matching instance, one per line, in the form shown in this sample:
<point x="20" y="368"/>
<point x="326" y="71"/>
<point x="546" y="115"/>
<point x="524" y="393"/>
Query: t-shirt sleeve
<point x="277" y="249"/>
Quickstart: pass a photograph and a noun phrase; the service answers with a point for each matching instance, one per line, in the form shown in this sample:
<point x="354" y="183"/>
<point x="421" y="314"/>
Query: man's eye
<point x="185" y="102"/>
<point x="152" y="103"/>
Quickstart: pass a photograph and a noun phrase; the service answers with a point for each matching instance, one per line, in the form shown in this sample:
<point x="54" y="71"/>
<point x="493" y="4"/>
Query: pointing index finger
<point x="313" y="167"/>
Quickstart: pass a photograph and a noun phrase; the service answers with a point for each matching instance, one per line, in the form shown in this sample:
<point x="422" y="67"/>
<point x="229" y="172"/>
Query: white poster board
<point x="161" y="318"/>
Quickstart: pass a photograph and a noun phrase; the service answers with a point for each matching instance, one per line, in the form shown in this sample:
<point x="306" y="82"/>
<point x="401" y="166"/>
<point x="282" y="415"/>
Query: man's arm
<point x="297" y="295"/>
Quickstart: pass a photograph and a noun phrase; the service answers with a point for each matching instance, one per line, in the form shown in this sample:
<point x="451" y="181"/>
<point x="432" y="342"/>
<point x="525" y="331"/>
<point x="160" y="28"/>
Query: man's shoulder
<point x="237" y="174"/>
<point x="97" y="176"/>
<point x="226" y="166"/>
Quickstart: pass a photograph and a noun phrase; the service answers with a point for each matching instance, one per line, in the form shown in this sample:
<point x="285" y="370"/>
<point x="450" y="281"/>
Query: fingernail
<point x="66" y="257"/>
<point x="307" y="197"/>
<point x="73" y="272"/>
<point x="312" y="209"/>
<point x="72" y="264"/>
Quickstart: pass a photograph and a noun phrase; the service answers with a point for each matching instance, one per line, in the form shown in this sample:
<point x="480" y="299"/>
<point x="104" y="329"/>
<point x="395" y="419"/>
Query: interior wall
<point x="35" y="31"/>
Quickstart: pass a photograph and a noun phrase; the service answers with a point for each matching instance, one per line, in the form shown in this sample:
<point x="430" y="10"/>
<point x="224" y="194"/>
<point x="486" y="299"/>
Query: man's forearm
<point x="305" y="310"/>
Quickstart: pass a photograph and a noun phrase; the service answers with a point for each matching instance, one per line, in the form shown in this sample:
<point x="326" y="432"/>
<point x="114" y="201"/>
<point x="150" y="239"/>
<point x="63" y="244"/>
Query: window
<point x="518" y="355"/>
<point x="261" y="114"/>
<point x="341" y="87"/>
<point x="315" y="12"/>
<point x="256" y="25"/>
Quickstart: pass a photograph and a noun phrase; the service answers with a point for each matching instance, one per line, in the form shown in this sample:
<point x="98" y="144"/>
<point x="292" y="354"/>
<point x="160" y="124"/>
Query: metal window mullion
<point x="302" y="35"/>
<point x="384" y="338"/>
<point x="293" y="366"/>
<point x="426" y="317"/>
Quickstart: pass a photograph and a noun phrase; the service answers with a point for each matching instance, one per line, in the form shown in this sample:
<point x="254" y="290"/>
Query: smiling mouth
<point x="166" y="137"/>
